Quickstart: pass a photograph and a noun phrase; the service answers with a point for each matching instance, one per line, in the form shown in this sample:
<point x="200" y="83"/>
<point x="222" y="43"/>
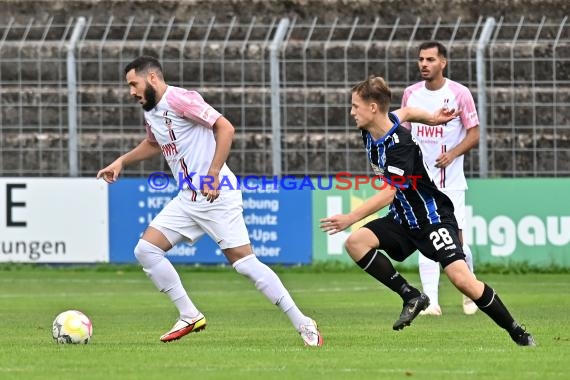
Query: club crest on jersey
<point x="395" y="138"/>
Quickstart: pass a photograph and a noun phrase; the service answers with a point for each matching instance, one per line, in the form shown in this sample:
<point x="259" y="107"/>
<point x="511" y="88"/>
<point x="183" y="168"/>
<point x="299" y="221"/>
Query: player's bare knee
<point x="464" y="283"/>
<point x="350" y="244"/>
<point x="356" y="247"/>
<point x="235" y="254"/>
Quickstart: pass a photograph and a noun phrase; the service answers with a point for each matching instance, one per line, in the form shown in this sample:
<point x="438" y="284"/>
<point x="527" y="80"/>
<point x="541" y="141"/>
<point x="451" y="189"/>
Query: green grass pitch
<point x="248" y="338"/>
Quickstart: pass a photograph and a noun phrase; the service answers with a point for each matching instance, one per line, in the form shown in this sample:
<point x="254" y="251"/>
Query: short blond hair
<point x="375" y="89"/>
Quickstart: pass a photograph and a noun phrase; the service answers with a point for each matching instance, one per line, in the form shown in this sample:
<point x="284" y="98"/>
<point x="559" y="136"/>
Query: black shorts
<point x="438" y="242"/>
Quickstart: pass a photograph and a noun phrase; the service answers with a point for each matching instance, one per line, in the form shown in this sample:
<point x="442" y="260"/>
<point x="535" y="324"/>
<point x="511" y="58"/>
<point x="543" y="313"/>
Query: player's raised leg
<point x="361" y="246"/>
<point x="227" y="226"/>
<point x="150" y="252"/>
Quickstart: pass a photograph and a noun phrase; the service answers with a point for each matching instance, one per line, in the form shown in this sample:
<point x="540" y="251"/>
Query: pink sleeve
<point x="149" y="135"/>
<point x="405" y="97"/>
<point x="466" y="104"/>
<point x="192" y="106"/>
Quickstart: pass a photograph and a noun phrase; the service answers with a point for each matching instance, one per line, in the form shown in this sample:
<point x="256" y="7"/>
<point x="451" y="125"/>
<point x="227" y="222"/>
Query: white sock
<point x="468" y="257"/>
<point x="268" y="283"/>
<point x="429" y="275"/>
<point x="162" y="273"/>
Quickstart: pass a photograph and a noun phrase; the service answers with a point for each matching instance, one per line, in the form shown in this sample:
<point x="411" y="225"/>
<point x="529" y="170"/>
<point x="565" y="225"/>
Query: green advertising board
<point x="519" y="220"/>
<point x="340" y="199"/>
<point x="507" y="221"/>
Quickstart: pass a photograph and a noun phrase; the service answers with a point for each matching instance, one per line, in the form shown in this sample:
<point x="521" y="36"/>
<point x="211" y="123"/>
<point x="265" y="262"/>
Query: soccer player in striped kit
<point x="195" y="140"/>
<point x="420" y="216"/>
<point x="443" y="147"/>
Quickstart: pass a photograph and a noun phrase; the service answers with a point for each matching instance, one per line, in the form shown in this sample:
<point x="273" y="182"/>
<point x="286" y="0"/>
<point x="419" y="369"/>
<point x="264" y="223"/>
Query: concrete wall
<point x="38" y="146"/>
<point x="407" y="10"/>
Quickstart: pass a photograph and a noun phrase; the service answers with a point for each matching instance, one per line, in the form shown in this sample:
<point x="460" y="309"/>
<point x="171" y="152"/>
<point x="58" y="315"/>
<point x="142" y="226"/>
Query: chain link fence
<point x="527" y="89"/>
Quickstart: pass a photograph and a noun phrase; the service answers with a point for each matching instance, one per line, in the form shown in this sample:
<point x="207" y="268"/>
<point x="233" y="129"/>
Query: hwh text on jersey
<point x="169" y="149"/>
<point x="430" y="131"/>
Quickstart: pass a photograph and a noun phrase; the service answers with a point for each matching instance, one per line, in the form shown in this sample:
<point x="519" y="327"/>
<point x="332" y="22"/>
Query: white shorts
<point x="458" y="199"/>
<point x="182" y="219"/>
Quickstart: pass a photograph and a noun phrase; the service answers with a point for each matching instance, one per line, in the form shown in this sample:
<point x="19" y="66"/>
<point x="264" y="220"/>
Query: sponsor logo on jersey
<point x="169" y="149"/>
<point x="429" y="131"/>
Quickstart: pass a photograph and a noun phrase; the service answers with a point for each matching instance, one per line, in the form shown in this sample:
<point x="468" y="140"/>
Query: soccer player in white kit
<point x="195" y="139"/>
<point x="443" y="147"/>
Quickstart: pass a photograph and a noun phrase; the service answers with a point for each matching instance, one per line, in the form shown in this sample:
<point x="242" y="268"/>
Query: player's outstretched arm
<point x="419" y="115"/>
<point x="145" y="150"/>
<point x="340" y="222"/>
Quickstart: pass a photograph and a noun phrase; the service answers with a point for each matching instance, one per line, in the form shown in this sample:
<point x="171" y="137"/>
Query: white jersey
<point x="181" y="123"/>
<point x="435" y="140"/>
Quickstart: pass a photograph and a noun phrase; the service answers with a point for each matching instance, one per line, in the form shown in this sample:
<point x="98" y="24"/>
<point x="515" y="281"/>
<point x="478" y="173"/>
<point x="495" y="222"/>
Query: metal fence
<point x="527" y="89"/>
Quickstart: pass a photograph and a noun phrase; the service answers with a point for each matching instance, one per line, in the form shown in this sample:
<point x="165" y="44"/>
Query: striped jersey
<point x="398" y="159"/>
<point x="181" y="123"/>
<point x="435" y="140"/>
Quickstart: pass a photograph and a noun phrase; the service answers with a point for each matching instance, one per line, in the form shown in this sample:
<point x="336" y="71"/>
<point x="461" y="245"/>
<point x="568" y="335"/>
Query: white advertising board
<point x="54" y="220"/>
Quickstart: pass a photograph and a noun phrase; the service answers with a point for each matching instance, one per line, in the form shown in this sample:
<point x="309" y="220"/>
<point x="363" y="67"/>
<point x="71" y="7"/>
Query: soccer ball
<point x="72" y="327"/>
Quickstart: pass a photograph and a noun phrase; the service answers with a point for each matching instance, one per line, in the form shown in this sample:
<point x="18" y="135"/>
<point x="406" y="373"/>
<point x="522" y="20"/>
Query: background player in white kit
<point x="443" y="147"/>
<point x="195" y="139"/>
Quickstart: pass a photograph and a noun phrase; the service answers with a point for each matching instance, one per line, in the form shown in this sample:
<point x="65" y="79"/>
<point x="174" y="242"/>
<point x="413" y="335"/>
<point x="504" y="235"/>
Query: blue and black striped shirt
<point x="398" y="159"/>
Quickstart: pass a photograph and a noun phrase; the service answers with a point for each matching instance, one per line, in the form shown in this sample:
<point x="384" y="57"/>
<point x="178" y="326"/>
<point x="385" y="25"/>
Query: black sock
<point x="491" y="304"/>
<point x="378" y="266"/>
